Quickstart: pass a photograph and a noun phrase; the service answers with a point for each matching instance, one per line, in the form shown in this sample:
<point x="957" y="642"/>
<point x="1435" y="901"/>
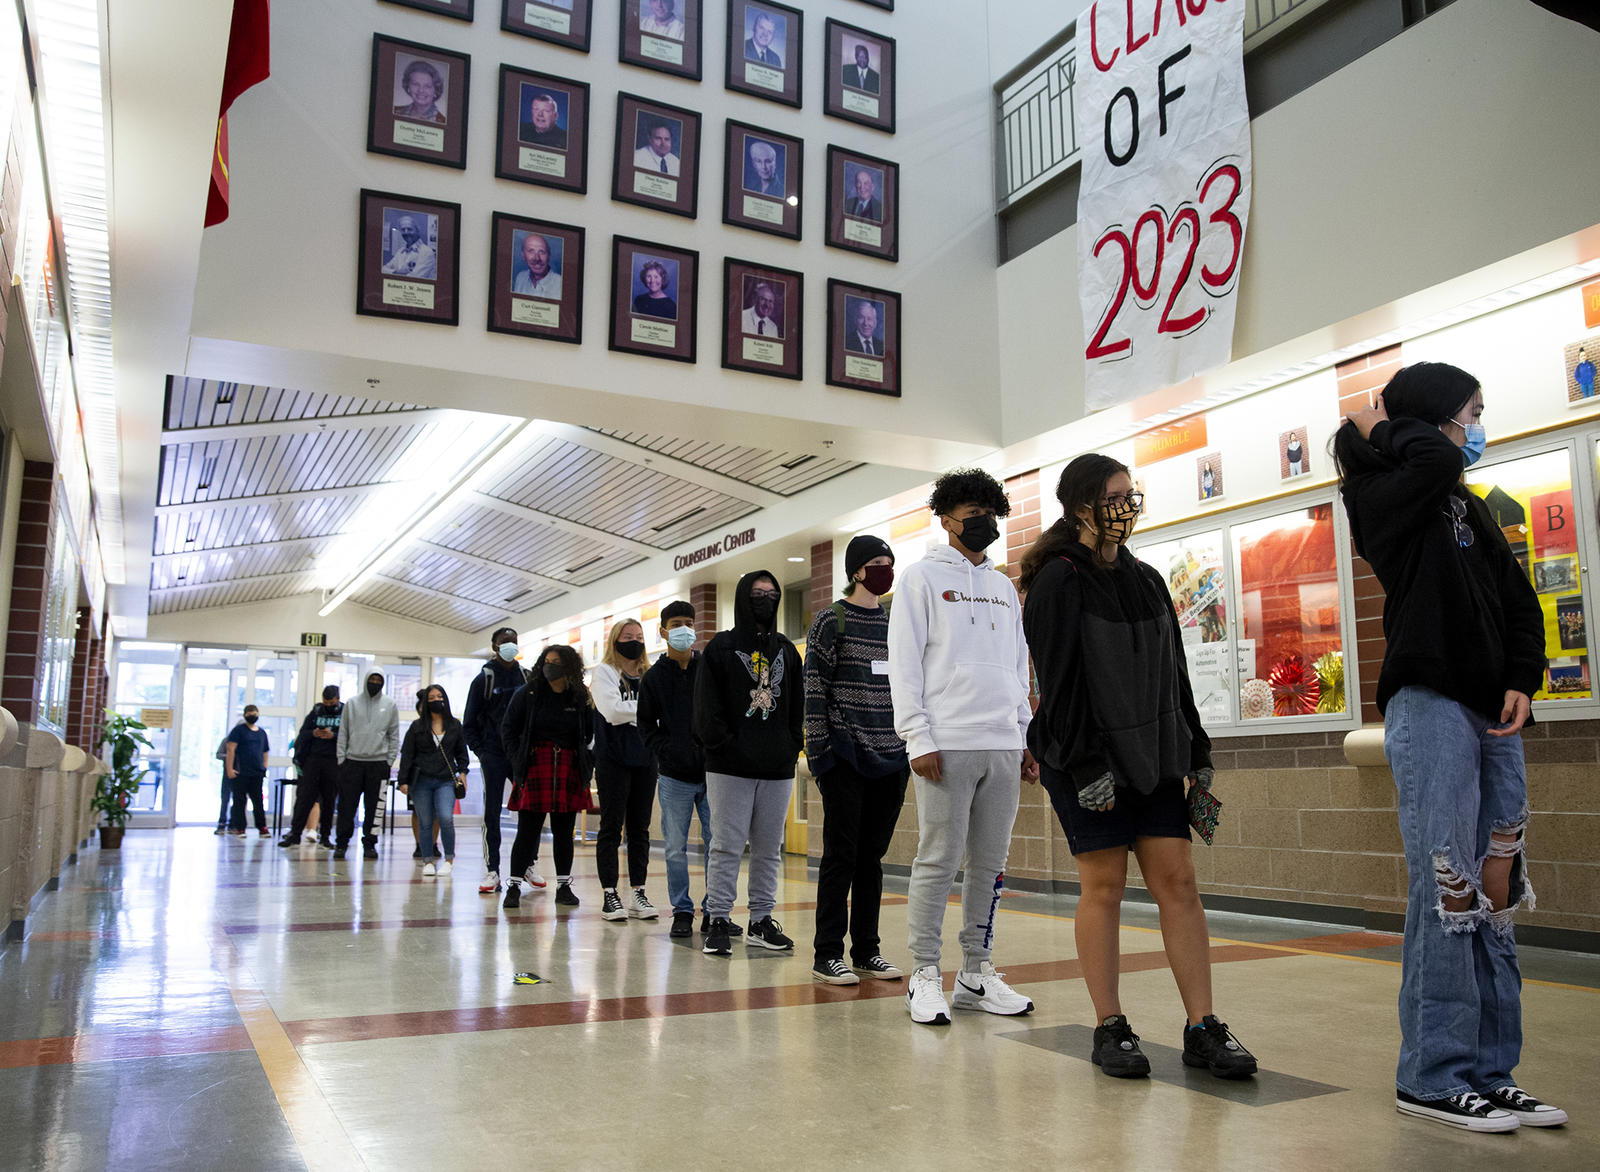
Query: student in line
<point x="858" y="761"/>
<point x="960" y="669"/>
<point x="369" y="740"/>
<point x="246" y="768"/>
<point x="487" y="701"/>
<point x="749" y="711"/>
<point x="1464" y="654"/>
<point x="623" y="772"/>
<point x="547" y="733"/>
<point x="666" y="722"/>
<point x="433" y="763"/>
<point x="1116" y="735"/>
<point x="227" y="787"/>
<point x="316" y="748"/>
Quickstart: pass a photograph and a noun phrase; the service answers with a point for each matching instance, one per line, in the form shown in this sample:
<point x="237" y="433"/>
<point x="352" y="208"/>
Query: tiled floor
<point x="211" y="1003"/>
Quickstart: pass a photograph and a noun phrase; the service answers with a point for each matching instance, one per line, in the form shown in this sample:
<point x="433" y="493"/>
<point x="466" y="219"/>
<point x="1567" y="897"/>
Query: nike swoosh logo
<point x="978" y="992"/>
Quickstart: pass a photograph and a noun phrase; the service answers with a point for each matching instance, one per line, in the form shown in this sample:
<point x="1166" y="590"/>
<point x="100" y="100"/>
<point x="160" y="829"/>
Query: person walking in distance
<point x="369" y="740"/>
<point x="487" y="701"/>
<point x="749" y="712"/>
<point x="623" y="772"/>
<point x="433" y="774"/>
<point x="859" y="763"/>
<point x="316" y="748"/>
<point x="959" y="664"/>
<point x="246" y="768"/>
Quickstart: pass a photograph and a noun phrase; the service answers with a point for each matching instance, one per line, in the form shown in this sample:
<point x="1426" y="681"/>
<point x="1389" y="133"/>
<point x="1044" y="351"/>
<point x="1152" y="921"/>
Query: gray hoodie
<point x="370" y="730"/>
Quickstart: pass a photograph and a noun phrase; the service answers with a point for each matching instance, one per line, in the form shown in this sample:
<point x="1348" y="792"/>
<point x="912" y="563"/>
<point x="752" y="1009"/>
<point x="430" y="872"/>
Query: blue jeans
<point x="1460" y="988"/>
<point x="680" y="800"/>
<point x="434" y="799"/>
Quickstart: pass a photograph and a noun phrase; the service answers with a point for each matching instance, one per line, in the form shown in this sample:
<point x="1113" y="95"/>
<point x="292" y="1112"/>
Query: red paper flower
<point x="1295" y="687"/>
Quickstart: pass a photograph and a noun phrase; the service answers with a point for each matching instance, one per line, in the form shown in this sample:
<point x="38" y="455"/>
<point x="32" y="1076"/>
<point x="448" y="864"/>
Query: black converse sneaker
<point x="1468" y="1110"/>
<point x="1116" y="1049"/>
<point x="833" y="971"/>
<point x="612" y="909"/>
<point x="878" y="969"/>
<point x="1530" y="1112"/>
<point x="767" y="933"/>
<point x="1211" y="1045"/>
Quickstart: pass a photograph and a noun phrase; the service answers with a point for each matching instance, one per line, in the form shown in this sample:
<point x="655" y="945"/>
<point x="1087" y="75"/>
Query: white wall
<point x="275" y="303"/>
<point x="279" y="622"/>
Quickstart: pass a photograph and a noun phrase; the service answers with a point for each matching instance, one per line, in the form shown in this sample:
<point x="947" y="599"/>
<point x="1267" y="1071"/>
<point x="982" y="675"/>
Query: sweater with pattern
<point x="849" y="709"/>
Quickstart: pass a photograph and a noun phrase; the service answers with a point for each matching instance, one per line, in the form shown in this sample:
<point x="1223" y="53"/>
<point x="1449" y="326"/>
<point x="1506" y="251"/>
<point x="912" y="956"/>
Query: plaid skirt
<point x="552" y="785"/>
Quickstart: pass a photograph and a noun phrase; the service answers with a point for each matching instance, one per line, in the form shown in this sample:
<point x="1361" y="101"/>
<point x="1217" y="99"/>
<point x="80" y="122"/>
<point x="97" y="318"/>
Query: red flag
<point x="249" y="62"/>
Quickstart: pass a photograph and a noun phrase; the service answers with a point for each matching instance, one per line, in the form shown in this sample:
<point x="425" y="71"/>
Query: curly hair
<point x="572" y="663"/>
<point x="421" y="66"/>
<point x="968" y="486"/>
<point x="658" y="267"/>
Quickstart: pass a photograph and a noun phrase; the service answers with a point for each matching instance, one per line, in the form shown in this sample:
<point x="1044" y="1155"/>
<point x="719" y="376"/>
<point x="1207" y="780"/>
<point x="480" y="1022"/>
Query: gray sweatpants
<point x="971" y="810"/>
<point x="745" y="809"/>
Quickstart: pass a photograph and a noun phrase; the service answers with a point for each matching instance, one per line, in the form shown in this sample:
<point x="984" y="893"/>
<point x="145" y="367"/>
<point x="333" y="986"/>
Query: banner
<point x="1165" y="190"/>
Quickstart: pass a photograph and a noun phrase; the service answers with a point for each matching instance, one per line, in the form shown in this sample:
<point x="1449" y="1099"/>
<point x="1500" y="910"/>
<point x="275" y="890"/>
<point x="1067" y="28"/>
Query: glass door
<point x="145" y="688"/>
<point x="215" y="685"/>
<point x="275" y="689"/>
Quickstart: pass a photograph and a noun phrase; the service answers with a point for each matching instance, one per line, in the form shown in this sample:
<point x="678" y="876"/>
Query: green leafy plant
<point x="114" y="792"/>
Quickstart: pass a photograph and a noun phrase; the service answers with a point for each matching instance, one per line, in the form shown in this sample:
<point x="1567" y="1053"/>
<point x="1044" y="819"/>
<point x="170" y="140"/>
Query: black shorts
<point x="1162" y="813"/>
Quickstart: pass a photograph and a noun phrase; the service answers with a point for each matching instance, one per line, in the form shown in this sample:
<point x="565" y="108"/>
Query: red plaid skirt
<point x="552" y="785"/>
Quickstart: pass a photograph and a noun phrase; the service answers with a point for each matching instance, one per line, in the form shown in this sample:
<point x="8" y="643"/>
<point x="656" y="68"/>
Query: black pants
<point x="318" y="786"/>
<point x="227" y="794"/>
<point x="360" y="781"/>
<point x="525" y="849"/>
<point x="247" y="786"/>
<point x="627" y="798"/>
<point x="495" y="771"/>
<point x="858" y="820"/>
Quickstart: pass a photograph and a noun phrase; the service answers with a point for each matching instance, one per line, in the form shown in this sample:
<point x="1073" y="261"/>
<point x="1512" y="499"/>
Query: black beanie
<point x="862" y="550"/>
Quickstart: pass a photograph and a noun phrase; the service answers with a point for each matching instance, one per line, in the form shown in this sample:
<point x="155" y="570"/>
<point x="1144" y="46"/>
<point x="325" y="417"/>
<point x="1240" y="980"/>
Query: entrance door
<point x="215" y="682"/>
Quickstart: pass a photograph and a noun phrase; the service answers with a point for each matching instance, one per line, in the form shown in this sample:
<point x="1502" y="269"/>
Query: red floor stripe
<point x="112" y="1047"/>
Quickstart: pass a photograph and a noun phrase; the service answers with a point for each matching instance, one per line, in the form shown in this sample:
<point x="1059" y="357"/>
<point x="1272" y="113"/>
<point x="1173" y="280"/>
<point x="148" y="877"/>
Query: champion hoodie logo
<point x="959" y="596"/>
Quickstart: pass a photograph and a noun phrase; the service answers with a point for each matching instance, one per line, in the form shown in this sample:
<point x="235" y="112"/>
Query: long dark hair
<point x="1431" y="392"/>
<point x="422" y="701"/>
<point x="1082" y="482"/>
<point x="572" y="663"/>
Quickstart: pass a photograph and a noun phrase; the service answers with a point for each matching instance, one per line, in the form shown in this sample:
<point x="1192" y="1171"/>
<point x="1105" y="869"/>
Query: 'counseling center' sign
<point x="1165" y="190"/>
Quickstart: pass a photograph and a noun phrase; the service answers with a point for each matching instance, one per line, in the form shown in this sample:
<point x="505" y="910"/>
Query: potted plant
<point x="114" y="791"/>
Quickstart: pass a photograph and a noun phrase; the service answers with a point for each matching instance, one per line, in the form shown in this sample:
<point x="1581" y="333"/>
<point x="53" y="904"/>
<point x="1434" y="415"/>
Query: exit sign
<point x="313" y="638"/>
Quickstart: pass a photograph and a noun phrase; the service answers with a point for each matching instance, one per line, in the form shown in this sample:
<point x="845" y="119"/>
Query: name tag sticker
<point x="880" y="667"/>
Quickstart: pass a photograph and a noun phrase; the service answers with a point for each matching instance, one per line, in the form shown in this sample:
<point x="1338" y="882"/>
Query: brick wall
<point x="821" y="592"/>
<point x="704" y="600"/>
<point x="86" y="701"/>
<point x="1022" y="527"/>
<point x="25" y="638"/>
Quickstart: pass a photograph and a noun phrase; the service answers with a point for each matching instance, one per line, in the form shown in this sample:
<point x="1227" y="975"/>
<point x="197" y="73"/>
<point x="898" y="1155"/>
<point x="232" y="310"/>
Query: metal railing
<point x="1038" y="138"/>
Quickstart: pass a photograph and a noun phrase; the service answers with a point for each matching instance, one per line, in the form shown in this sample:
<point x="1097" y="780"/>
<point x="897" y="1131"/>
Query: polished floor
<point x="195" y="1002"/>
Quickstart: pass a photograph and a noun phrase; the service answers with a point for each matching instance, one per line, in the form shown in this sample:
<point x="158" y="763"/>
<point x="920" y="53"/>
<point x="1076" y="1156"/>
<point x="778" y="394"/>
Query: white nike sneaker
<point x="428" y="870"/>
<point x="532" y="877"/>
<point x="925" y="997"/>
<point x="986" y="991"/>
<point x="446" y="867"/>
<point x="489" y="884"/>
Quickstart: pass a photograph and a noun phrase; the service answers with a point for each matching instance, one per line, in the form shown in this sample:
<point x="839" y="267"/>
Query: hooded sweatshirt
<point x="311" y="748"/>
<point x="749" y="696"/>
<point x="957" y="657"/>
<point x="666" y="719"/>
<point x="370" y="729"/>
<point x="487" y="701"/>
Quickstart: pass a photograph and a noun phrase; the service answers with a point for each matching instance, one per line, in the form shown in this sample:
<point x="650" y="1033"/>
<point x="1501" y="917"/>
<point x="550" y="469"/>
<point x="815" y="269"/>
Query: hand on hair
<point x="1366" y="418"/>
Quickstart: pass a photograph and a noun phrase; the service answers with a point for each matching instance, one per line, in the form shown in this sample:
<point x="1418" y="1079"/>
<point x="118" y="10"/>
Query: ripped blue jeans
<point x="1460" y="988"/>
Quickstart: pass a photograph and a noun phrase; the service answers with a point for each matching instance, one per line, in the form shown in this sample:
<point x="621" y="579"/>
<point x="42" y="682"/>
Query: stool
<point x="284" y="783"/>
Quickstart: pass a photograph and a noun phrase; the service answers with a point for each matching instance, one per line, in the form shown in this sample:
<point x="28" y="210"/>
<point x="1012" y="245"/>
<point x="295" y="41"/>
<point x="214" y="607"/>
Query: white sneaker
<point x="925" y="997"/>
<point x="532" y="877"/>
<point x="640" y="908"/>
<point x="489" y="884"/>
<point x="986" y="991"/>
<point x="428" y="871"/>
<point x="446" y="867"/>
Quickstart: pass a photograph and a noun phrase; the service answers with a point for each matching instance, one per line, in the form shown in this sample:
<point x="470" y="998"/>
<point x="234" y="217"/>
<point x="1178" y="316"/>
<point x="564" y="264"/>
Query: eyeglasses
<point x="1458" y="521"/>
<point x="1133" y="500"/>
<point x="763" y="594"/>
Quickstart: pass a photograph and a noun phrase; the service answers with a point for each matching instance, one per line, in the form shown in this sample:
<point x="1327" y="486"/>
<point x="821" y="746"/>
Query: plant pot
<point x="111" y="837"/>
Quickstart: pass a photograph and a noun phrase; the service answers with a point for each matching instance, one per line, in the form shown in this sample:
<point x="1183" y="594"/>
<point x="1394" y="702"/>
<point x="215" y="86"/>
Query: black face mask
<point x="979" y="532"/>
<point x="554" y="672"/>
<point x="630" y="648"/>
<point x="373" y="687"/>
<point x="437" y="707"/>
<point x="251" y="718"/>
<point x="763" y="608"/>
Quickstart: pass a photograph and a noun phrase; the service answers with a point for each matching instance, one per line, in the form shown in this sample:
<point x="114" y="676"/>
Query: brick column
<point x="704" y="600"/>
<point x="1022" y="527"/>
<point x="1360" y="379"/>
<point x="25" y="641"/>
<point x="823" y="586"/>
<point x="85" y="702"/>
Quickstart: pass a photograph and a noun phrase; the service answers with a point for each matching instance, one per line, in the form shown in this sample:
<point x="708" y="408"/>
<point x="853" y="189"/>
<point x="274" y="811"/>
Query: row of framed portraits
<point x="410" y="261"/>
<point x="764" y="48"/>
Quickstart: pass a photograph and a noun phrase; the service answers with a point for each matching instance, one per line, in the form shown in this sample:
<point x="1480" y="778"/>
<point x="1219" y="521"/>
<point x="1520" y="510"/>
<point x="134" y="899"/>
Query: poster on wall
<point x="1578" y="365"/>
<point x="1165" y="192"/>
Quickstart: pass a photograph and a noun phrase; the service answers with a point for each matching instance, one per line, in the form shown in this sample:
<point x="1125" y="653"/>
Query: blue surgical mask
<point x="508" y="652"/>
<point x="680" y="638"/>
<point x="1477" y="441"/>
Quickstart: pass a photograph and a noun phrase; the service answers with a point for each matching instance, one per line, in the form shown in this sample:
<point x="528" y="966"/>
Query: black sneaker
<point x="338" y="854"/>
<point x="1116" y="1049"/>
<point x="1212" y="1046"/>
<point x="718" y="940"/>
<point x="1530" y="1112"/>
<point x="1469" y="1111"/>
<point x="288" y="840"/>
<point x="833" y="971"/>
<point x="565" y="896"/>
<point x="371" y="852"/>
<point x="325" y="843"/>
<point x="767" y="933"/>
<point x="612" y="908"/>
<point x="220" y="830"/>
<point x="705" y="927"/>
<point x="878" y="969"/>
<point x="513" y="894"/>
<point x="416" y="854"/>
<point x="682" y="924"/>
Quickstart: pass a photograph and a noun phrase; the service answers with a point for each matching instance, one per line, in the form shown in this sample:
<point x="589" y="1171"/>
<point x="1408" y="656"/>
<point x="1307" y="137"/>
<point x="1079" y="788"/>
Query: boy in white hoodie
<point x="958" y="661"/>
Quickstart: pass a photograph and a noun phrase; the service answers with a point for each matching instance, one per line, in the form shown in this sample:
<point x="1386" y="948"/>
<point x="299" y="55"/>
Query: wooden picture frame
<point x="764" y="56"/>
<point x="641" y="173"/>
<point x="667" y="330"/>
<point x="863" y="204"/>
<point x="543" y="132"/>
<point x="665" y="35"/>
<point x="408" y="264"/>
<point x="762" y="180"/>
<point x="857" y="91"/>
<point x="861" y="361"/>
<point x="567" y="23"/>
<point x="417" y="102"/>
<point x="763" y="319"/>
<point x="536" y="278"/>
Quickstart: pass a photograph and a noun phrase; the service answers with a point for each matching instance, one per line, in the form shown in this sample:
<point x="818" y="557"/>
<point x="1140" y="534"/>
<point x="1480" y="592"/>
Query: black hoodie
<point x="310" y="748"/>
<point x="487" y="700"/>
<point x="749" y="699"/>
<point x="666" y="719"/>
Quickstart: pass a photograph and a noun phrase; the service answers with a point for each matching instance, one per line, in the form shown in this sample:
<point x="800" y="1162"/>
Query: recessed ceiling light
<point x="797" y="559"/>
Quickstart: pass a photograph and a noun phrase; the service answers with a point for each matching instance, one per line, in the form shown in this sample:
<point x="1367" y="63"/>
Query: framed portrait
<point x="543" y="137"/>
<point x="863" y="338"/>
<point x="417" y="107"/>
<point x="536" y="278"/>
<point x="764" y="43"/>
<point x="1578" y="364"/>
<point x="762" y="322"/>
<point x="886" y="5"/>
<point x="460" y="9"/>
<point x="863" y="204"/>
<point x="859" y="86"/>
<point x="654" y="288"/>
<point x="656" y="163"/>
<point x="664" y="35"/>
<point x="1208" y="477"/>
<point x="1294" y="454"/>
<point x="409" y="263"/>
<point x="561" y="22"/>
<point x="761" y="180"/>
